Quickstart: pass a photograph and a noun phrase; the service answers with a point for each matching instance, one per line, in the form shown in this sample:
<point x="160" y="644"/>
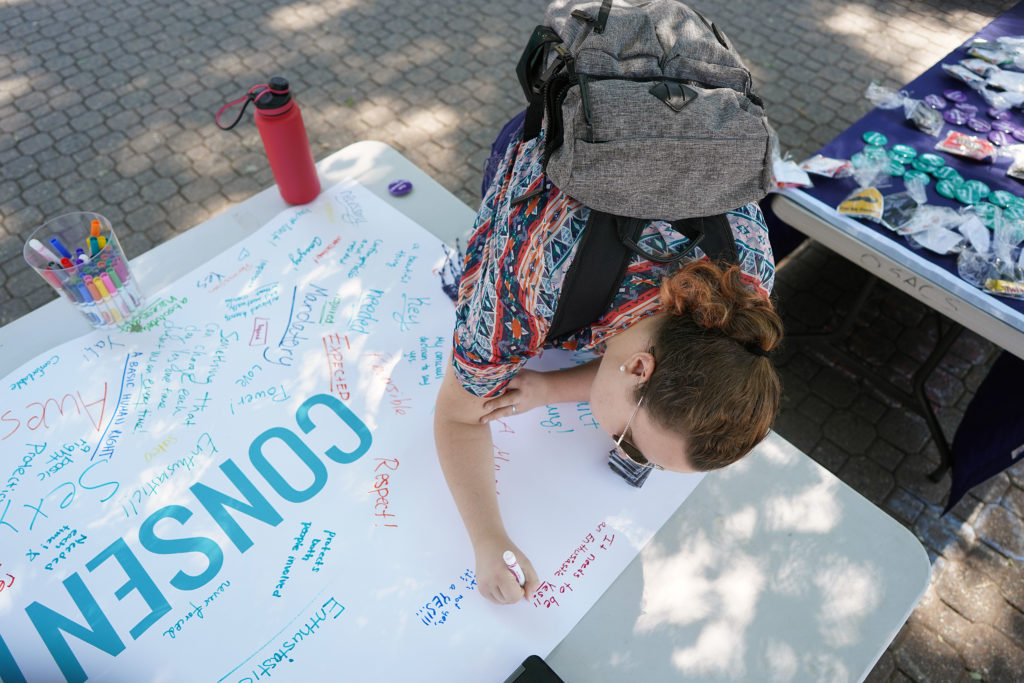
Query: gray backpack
<point x="651" y="112"/>
<point x="651" y="115"/>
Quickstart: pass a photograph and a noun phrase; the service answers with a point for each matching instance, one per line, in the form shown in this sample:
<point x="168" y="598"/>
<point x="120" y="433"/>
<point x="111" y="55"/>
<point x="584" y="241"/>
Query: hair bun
<point x="717" y="298"/>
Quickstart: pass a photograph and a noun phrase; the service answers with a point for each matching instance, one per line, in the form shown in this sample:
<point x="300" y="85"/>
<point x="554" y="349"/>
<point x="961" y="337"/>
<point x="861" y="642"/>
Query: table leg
<point x="915" y="400"/>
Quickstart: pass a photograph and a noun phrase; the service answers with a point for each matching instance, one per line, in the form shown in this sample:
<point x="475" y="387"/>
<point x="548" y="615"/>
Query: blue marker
<point x="60" y="248"/>
<point x="88" y="306"/>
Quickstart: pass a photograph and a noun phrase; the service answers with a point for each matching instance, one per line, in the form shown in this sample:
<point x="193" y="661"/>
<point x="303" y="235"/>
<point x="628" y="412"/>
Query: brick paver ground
<point x="107" y="105"/>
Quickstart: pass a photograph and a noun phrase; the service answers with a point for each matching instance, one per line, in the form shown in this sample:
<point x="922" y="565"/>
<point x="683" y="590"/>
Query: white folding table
<point x="772" y="569"/>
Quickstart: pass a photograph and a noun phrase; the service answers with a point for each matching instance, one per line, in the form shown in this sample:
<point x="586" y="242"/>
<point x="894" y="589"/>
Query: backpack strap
<point x="604" y="253"/>
<point x="593" y="277"/>
<point x="532" y="76"/>
<point x="713" y="233"/>
<point x="602" y="16"/>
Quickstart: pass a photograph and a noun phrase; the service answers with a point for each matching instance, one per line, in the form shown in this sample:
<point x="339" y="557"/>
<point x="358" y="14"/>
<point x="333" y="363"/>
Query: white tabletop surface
<point x="772" y="569"/>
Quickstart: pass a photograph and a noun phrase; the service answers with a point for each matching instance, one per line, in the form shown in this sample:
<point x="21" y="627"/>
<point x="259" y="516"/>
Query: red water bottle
<point x="284" y="138"/>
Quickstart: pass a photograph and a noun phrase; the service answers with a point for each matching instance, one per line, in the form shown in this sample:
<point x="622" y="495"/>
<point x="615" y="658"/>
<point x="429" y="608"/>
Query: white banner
<point x="244" y="485"/>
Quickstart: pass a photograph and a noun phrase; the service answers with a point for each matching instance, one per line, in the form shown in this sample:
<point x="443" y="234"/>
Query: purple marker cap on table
<point x="935" y="101"/>
<point x="956" y="117"/>
<point x="998" y="114"/>
<point x="1000" y="138"/>
<point x="400" y="187"/>
<point x="1003" y="125"/>
<point x="955" y="95"/>
<point x="979" y="125"/>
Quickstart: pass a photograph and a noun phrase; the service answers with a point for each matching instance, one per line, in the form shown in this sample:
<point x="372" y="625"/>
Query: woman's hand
<point x="495" y="580"/>
<point x="526" y="391"/>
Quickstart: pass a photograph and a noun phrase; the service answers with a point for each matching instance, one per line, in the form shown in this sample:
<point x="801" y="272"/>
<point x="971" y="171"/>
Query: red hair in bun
<point x="712" y="381"/>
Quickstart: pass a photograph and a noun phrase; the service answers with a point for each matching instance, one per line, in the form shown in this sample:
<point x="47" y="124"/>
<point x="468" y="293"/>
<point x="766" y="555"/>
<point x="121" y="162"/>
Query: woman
<point x="683" y="382"/>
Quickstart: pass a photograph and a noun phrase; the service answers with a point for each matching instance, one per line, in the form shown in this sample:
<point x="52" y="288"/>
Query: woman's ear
<point x="640" y="365"/>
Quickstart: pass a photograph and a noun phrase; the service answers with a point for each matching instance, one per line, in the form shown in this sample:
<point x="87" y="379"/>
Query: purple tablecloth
<point x="898" y="130"/>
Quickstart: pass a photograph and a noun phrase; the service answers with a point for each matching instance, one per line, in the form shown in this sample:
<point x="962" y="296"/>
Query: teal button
<point x="875" y="138"/>
<point x="967" y="194"/>
<point x="946" y="188"/>
<point x="947" y="172"/>
<point x="933" y="160"/>
<point x="904" y="153"/>
<point x="913" y="173"/>
<point x="875" y="153"/>
<point x="979" y="187"/>
<point x="1015" y="212"/>
<point x="895" y="168"/>
<point x="1002" y="198"/>
<point x="986" y="211"/>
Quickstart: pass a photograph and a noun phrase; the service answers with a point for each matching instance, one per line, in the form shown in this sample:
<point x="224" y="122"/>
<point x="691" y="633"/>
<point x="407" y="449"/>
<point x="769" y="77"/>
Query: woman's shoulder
<point x="753" y="247"/>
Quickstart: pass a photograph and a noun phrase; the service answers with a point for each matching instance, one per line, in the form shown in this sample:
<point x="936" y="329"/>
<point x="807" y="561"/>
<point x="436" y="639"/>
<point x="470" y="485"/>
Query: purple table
<point x="927" y="277"/>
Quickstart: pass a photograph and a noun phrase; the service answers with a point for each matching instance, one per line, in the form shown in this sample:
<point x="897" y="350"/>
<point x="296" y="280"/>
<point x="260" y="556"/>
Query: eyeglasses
<point x="629" y="451"/>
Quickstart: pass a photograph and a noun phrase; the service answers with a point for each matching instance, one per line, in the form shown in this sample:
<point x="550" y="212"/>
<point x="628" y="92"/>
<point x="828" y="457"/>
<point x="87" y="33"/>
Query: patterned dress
<point x="517" y="259"/>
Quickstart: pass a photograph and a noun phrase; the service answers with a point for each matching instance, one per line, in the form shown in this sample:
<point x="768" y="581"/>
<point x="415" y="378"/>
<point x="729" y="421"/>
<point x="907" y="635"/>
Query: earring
<point x="622" y="368"/>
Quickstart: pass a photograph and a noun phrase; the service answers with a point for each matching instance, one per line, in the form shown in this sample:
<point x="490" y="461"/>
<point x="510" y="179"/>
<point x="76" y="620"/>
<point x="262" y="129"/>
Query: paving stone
<point x="356" y="80"/>
<point x="1002" y="530"/>
<point x="925" y="656"/>
<point x="835" y="386"/>
<point x="903" y="507"/>
<point x="867" y="478"/>
<point x="849" y="429"/>
<point x="905" y="430"/>
<point x="991" y="653"/>
<point x="939" y="532"/>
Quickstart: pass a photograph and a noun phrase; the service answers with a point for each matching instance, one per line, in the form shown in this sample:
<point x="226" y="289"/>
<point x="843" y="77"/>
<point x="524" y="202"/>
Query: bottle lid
<point x="276" y="96"/>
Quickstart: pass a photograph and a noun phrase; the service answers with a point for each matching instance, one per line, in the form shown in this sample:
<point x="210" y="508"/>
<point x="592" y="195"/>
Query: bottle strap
<point x="254" y="92"/>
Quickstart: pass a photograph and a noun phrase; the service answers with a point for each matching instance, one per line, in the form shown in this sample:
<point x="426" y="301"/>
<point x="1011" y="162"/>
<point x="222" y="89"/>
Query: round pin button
<point x="895" y="168"/>
<point x="979" y="125"/>
<point x="966" y="107"/>
<point x="875" y="138"/>
<point x="912" y="174"/>
<point x="946" y="188"/>
<point x="956" y="117"/>
<point x="1003" y="125"/>
<point x="933" y="160"/>
<point x="1000" y="138"/>
<point x="400" y="187"/>
<point x="1014" y="212"/>
<point x="903" y="153"/>
<point x="935" y="101"/>
<point x="947" y="173"/>
<point x="875" y="153"/>
<point x="1002" y="198"/>
<point x="954" y="95"/>
<point x="998" y="114"/>
<point x="966" y="194"/>
<point x="979" y="187"/>
<point x="987" y="213"/>
<point x="858" y="160"/>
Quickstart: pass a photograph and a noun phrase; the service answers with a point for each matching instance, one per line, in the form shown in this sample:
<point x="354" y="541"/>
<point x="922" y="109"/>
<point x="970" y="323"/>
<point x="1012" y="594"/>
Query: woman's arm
<point x="466" y="454"/>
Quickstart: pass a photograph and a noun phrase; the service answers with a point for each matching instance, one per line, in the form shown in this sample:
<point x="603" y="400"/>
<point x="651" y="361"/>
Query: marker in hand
<point x="513" y="566"/>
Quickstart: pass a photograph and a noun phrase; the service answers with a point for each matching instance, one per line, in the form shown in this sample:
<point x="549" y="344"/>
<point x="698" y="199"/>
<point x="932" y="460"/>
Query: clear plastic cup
<point x="79" y="256"/>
